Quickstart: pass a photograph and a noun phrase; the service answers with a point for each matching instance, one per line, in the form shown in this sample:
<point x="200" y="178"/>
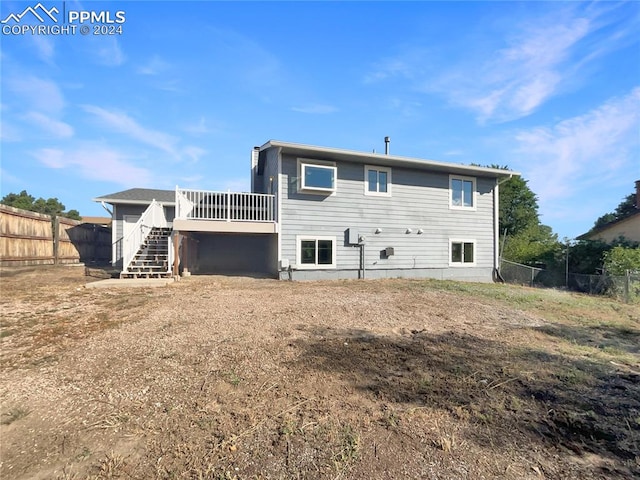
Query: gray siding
<point x="122" y="210"/>
<point x="420" y="200"/>
<point x="118" y="219"/>
<point x="261" y="184"/>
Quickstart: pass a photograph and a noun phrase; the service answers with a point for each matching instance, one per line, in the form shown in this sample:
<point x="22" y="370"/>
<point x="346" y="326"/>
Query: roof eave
<point x="605" y="227"/>
<point x="387" y="160"/>
<point x="114" y="201"/>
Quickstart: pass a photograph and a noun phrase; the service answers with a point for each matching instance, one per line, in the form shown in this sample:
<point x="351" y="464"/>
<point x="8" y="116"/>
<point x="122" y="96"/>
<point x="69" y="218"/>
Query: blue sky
<point x="180" y="97"/>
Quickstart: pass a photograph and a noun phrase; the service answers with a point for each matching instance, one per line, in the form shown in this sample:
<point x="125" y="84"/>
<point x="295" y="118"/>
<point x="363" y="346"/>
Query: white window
<point x="463" y="192"/>
<point x="462" y="253"/>
<point x="377" y="181"/>
<point x="316" y="176"/>
<point x="315" y="252"/>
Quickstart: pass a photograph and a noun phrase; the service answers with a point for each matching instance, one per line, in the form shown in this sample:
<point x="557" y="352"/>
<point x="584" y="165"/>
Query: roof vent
<point x="387" y="141"/>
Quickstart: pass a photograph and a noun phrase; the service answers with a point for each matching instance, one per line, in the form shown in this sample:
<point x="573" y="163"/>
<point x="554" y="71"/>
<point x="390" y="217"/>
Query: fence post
<point x="627" y="280"/>
<point x="56" y="240"/>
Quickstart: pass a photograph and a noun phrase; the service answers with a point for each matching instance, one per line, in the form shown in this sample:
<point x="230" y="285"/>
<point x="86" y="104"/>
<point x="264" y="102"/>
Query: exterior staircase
<point x="152" y="259"/>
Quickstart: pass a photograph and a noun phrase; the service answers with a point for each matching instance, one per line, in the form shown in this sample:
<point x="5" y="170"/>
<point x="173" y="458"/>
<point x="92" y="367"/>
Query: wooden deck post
<point x="176" y="250"/>
<point x="185" y="253"/>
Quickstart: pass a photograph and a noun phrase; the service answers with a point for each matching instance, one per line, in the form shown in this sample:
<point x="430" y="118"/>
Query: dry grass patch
<point x="256" y="379"/>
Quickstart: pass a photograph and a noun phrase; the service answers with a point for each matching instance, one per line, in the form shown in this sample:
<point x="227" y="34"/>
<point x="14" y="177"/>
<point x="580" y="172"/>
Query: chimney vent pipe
<point x="387" y="140"/>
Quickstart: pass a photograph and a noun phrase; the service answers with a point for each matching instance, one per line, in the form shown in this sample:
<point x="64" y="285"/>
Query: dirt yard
<point x="239" y="378"/>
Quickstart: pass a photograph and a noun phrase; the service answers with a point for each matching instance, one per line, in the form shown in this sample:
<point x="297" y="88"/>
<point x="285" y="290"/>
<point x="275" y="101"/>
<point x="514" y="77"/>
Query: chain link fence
<point x="623" y="287"/>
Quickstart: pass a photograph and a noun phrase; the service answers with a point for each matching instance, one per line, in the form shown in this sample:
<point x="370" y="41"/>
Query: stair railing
<point x="152" y="217"/>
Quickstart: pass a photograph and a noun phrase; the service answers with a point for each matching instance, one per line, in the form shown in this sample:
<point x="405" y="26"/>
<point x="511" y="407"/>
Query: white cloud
<point x="108" y="52"/>
<point x="8" y="132"/>
<point x="407" y="65"/>
<point x="44" y="46"/>
<point x="51" y="126"/>
<point x="154" y="66"/>
<point x="581" y="155"/>
<point x="453" y="153"/>
<point x="197" y="128"/>
<point x="316" y="109"/>
<point x="39" y="94"/>
<point x="95" y="162"/>
<point x="523" y="76"/>
<point x="193" y="153"/>
<point x="194" y="181"/>
<point x="513" y="81"/>
<point x="10" y="178"/>
<point x="538" y="58"/>
<point x="122" y="123"/>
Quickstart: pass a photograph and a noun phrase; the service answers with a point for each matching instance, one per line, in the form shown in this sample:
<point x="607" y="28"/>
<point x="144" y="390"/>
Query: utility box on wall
<point x="351" y="236"/>
<point x="389" y="251"/>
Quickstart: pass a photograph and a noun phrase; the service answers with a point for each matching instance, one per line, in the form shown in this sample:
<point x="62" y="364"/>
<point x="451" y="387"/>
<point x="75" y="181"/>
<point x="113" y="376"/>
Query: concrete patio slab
<point x="130" y="283"/>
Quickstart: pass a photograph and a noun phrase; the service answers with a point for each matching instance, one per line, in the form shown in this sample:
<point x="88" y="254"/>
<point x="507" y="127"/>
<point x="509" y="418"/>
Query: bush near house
<point x="620" y="260"/>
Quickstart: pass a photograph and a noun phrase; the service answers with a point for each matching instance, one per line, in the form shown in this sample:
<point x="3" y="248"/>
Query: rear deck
<point x="224" y="212"/>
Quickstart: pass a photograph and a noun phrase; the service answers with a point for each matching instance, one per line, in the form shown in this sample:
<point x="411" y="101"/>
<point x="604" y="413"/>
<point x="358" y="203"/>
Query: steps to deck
<point x="152" y="259"/>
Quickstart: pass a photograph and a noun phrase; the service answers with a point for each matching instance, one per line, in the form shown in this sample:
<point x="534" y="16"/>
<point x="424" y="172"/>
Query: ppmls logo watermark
<point x="40" y="20"/>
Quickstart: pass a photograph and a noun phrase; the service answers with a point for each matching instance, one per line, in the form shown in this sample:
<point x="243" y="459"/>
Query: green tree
<point x="526" y="239"/>
<point x="588" y="256"/>
<point x="536" y="244"/>
<point x="51" y="206"/>
<point x="620" y="259"/>
<point x="626" y="208"/>
<point x="518" y="207"/>
<point x="20" y="200"/>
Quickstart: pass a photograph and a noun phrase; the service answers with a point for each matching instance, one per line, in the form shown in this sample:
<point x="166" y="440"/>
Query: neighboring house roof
<point x="97" y="220"/>
<point x="384" y="159"/>
<point x="139" y="196"/>
<point x="628" y="227"/>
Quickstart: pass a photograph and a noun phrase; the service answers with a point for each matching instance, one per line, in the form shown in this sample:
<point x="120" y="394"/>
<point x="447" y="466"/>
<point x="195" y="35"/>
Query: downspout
<point x="496" y="226"/>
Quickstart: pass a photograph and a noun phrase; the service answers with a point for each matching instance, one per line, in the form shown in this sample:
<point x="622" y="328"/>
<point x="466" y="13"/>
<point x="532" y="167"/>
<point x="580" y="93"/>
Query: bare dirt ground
<point x="239" y="378"/>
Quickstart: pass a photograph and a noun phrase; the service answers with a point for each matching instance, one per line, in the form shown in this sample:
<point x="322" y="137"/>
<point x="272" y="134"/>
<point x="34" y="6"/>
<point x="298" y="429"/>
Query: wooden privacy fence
<point x="29" y="238"/>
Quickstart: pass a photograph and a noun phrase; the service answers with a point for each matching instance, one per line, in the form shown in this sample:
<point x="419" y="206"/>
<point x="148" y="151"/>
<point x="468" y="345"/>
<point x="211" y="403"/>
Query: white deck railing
<point x="152" y="217"/>
<point x="224" y="206"/>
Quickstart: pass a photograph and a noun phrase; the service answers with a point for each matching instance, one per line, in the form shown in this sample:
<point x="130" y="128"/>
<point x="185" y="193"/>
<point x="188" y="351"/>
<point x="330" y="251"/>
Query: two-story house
<point x="319" y="213"/>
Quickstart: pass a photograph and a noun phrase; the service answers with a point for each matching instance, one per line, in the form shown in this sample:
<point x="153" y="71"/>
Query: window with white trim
<point x="377" y="181"/>
<point x="316" y="176"/>
<point x="315" y="252"/>
<point x="462" y="192"/>
<point x="462" y="252"/>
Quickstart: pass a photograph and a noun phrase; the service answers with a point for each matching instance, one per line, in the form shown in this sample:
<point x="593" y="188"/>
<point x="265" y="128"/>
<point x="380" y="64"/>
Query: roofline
<point x="389" y="160"/>
<point x="113" y="201"/>
<point x="605" y="227"/>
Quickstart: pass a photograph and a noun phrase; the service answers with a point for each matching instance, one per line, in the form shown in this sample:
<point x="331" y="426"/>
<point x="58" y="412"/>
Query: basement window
<point x="462" y="253"/>
<point x="316" y="252"/>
